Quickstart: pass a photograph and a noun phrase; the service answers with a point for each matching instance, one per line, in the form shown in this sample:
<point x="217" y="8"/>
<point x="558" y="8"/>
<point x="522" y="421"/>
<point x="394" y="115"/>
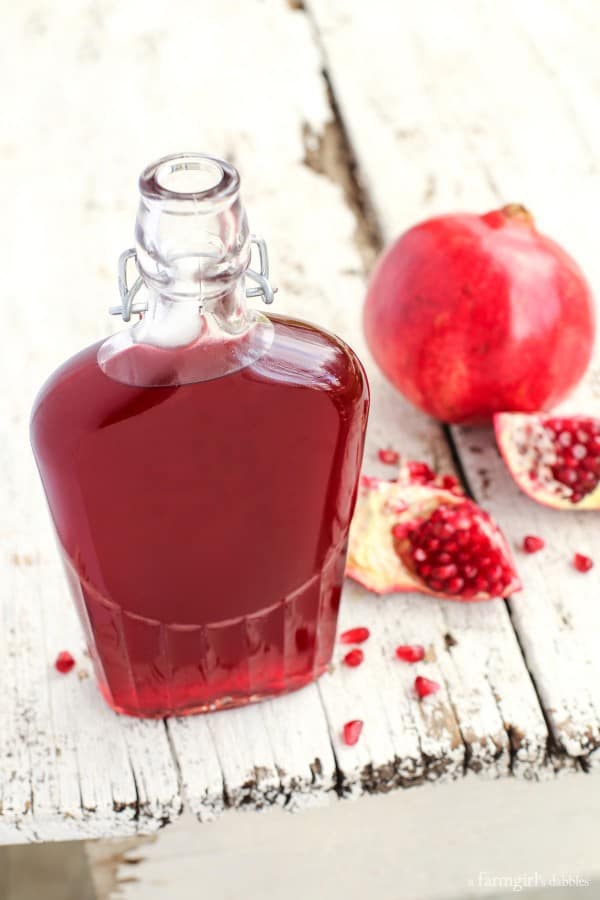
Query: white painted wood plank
<point x="69" y="767"/>
<point x="113" y="775"/>
<point x="384" y="749"/>
<point x="201" y="773"/>
<point x="556" y="614"/>
<point x="300" y="742"/>
<point x="77" y="769"/>
<point x="432" y="133"/>
<point x="404" y="742"/>
<point x="382" y="759"/>
<point x="490" y="691"/>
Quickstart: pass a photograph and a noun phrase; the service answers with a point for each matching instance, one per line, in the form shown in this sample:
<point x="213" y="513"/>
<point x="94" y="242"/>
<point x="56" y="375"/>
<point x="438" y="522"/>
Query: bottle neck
<point x="191" y="230"/>
<point x="192" y="253"/>
<point x="171" y="323"/>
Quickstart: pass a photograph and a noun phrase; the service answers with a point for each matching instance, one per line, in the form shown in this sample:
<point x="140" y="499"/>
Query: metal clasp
<point x="128" y="294"/>
<point x="261" y="278"/>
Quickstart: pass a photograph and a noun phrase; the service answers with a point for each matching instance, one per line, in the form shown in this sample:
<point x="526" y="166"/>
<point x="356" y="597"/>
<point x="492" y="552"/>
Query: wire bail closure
<point x="128" y="294"/>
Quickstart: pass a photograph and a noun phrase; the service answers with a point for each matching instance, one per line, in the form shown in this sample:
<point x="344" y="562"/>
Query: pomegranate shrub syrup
<point x="201" y="466"/>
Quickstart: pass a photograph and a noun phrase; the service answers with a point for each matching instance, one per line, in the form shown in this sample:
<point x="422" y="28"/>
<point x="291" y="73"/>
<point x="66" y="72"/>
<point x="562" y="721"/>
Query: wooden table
<point x="349" y="121"/>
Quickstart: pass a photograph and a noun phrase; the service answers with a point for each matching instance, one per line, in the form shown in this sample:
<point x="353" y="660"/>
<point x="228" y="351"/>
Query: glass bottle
<point x="201" y="465"/>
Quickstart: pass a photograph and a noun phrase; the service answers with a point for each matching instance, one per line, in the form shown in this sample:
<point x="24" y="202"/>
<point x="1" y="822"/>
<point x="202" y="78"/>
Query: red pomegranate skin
<point x="470" y="315"/>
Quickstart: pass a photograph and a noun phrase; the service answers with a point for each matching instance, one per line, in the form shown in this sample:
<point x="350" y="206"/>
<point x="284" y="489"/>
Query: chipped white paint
<point x="194" y="75"/>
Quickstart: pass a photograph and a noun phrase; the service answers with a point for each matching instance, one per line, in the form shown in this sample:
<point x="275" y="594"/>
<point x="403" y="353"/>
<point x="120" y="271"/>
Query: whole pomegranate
<point x="470" y="315"/>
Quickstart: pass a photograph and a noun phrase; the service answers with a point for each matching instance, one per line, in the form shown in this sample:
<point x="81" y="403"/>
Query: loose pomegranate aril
<point x="388" y="456"/>
<point x="555" y="460"/>
<point x="352" y="731"/>
<point x="582" y="563"/>
<point x="425" y="686"/>
<point x="355" y="635"/>
<point x="410" y="653"/>
<point x="64" y="662"/>
<point x="420" y="472"/>
<point x="449" y="482"/>
<point x="532" y="543"/>
<point x="367" y="482"/>
<point x="354" y="658"/>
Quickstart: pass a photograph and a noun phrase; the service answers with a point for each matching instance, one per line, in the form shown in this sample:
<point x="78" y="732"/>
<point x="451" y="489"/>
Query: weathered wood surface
<point x="103" y="90"/>
<point x="449" y="115"/>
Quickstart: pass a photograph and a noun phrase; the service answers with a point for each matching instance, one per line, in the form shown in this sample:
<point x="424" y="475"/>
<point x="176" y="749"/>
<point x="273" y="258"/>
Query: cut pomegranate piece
<point x="407" y="535"/>
<point x="389" y="457"/>
<point x="425" y="686"/>
<point x="64" y="662"/>
<point x="410" y="653"/>
<point x="532" y="543"/>
<point x="554" y="459"/>
<point x="354" y="658"/>
<point x="354" y="636"/>
<point x="582" y="563"/>
<point x="352" y="731"/>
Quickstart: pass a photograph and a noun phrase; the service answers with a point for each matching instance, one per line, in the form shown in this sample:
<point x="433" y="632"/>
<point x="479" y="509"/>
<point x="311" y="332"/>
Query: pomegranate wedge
<point x="408" y="535"/>
<point x="554" y="459"/>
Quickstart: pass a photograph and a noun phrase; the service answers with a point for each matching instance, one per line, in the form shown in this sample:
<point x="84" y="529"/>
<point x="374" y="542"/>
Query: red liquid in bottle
<point x="204" y="525"/>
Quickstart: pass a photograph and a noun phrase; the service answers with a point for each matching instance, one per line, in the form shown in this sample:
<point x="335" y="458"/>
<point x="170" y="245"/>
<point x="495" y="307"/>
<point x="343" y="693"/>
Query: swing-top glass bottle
<point x="201" y="465"/>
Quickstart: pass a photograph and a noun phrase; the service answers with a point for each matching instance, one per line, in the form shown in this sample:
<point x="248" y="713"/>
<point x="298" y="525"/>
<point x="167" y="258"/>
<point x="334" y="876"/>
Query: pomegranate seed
<point x="582" y="563"/>
<point x="389" y="457"/>
<point x="455" y="585"/>
<point x="352" y="731"/>
<point x="444" y="572"/>
<point x="401" y="530"/>
<point x="64" y="662"/>
<point x="449" y="482"/>
<point x="368" y="481"/>
<point x="444" y="558"/>
<point x="425" y="686"/>
<point x="354" y="636"/>
<point x="410" y="653"/>
<point x="532" y="543"/>
<point x="354" y="657"/>
<point x="420" y="472"/>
